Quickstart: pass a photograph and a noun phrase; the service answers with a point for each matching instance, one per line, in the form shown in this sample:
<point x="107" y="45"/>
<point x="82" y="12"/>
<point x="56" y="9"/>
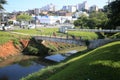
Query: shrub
<point x="32" y="50"/>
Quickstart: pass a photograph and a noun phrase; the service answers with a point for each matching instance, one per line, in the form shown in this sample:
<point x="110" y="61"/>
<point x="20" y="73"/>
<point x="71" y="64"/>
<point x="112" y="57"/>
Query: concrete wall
<point x="100" y="42"/>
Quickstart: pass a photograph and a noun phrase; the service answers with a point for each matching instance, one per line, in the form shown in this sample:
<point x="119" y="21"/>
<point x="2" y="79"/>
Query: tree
<point x="24" y="18"/>
<point x="82" y="21"/>
<point x="114" y="16"/>
<point x="97" y="19"/>
<point x="2" y="2"/>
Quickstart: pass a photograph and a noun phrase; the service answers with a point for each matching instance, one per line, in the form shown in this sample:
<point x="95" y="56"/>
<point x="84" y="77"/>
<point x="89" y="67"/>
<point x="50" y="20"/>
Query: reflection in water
<point x="19" y="69"/>
<point x="4" y="78"/>
<point x="25" y="63"/>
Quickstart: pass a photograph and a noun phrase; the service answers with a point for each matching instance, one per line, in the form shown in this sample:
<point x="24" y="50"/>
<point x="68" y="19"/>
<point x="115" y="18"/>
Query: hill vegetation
<point x="102" y="63"/>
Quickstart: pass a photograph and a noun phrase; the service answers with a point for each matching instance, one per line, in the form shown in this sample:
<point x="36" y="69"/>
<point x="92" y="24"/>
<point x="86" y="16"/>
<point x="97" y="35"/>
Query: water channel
<point x="19" y="66"/>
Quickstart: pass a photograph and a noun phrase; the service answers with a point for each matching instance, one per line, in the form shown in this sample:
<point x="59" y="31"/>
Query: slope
<point x="100" y="64"/>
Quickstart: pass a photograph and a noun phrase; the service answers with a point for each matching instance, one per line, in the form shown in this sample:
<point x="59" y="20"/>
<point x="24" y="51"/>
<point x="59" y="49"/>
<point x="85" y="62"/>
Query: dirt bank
<point x="10" y="49"/>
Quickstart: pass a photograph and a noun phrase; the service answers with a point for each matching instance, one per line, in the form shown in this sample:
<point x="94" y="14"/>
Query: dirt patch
<point x="9" y="49"/>
<point x="24" y="43"/>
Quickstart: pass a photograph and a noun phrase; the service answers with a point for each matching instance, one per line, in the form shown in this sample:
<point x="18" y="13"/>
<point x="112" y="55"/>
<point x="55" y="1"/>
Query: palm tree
<point x="2" y="2"/>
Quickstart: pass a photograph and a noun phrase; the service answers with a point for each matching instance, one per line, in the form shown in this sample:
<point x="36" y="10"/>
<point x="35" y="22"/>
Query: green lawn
<point x="102" y="63"/>
<point x="84" y="35"/>
<point x="49" y="32"/>
<point x="40" y="31"/>
<point x="7" y="36"/>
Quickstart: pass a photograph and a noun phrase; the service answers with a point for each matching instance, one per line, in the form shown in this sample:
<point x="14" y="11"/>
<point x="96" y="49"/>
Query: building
<point x="93" y="8"/>
<point x="65" y="8"/>
<point x="49" y="7"/>
<point x="36" y="11"/>
<point x="72" y="8"/>
<point x="82" y="6"/>
<point x="52" y="19"/>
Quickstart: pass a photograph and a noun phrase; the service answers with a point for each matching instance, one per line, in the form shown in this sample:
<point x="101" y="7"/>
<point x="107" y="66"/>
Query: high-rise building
<point x="65" y="8"/>
<point x="93" y="8"/>
<point x="82" y="6"/>
<point x="72" y="8"/>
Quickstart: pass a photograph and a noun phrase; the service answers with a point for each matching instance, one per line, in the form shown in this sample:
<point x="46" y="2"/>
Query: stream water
<point x="18" y="66"/>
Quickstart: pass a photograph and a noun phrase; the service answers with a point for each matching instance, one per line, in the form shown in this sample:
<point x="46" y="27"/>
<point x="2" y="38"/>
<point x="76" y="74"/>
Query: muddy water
<point x="19" y="66"/>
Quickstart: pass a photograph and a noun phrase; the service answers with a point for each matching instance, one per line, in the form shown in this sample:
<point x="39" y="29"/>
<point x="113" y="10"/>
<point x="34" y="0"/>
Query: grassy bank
<point x="7" y="36"/>
<point x="49" y="32"/>
<point x="84" y="35"/>
<point x="102" y="63"/>
<point x="40" y="31"/>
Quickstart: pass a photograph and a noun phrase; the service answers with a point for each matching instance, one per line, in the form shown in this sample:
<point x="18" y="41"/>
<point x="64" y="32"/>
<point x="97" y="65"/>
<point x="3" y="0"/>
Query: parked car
<point x="31" y="26"/>
<point x="7" y="28"/>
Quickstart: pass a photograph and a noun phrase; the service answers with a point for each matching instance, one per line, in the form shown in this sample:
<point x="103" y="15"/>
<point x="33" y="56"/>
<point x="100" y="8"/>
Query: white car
<point x="32" y="26"/>
<point x="7" y="27"/>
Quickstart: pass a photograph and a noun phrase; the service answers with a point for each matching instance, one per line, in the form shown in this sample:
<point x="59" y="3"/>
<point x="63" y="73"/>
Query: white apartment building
<point x="53" y="19"/>
<point x="93" y="8"/>
<point x="72" y="8"/>
<point x="82" y="6"/>
<point x="65" y="8"/>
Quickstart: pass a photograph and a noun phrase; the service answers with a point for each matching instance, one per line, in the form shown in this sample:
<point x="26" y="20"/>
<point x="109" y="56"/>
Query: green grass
<point x="40" y="31"/>
<point x="117" y="35"/>
<point x="84" y="35"/>
<point x="102" y="63"/>
<point x="7" y="36"/>
<point x="49" y="32"/>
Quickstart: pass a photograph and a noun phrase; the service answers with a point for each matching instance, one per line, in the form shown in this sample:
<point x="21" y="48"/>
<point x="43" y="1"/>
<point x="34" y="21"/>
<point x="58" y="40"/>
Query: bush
<point x="16" y="42"/>
<point x="33" y="50"/>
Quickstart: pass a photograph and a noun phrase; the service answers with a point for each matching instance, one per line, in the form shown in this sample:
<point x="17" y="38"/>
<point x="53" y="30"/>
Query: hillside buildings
<point x="49" y="15"/>
<point x="82" y="6"/>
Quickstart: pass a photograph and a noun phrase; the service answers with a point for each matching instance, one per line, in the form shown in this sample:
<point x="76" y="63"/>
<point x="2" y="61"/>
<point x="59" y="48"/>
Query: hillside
<point x="102" y="63"/>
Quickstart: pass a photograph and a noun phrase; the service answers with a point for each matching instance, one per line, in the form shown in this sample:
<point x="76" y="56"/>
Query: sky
<point x="23" y="5"/>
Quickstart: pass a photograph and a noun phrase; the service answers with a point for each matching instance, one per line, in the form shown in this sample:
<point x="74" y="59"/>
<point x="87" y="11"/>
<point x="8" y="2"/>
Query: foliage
<point x="114" y="14"/>
<point x="23" y="17"/>
<point x="82" y="20"/>
<point x="10" y="22"/>
<point x="96" y="65"/>
<point x="2" y="2"/>
<point x="32" y="50"/>
<point x="16" y="41"/>
<point x="115" y="36"/>
<point x="95" y="19"/>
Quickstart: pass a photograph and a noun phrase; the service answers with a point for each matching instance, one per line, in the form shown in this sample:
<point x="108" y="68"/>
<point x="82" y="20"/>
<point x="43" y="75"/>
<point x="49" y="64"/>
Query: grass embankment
<point x="39" y="31"/>
<point x="84" y="35"/>
<point x="102" y="63"/>
<point x="49" y="32"/>
<point x="7" y="36"/>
